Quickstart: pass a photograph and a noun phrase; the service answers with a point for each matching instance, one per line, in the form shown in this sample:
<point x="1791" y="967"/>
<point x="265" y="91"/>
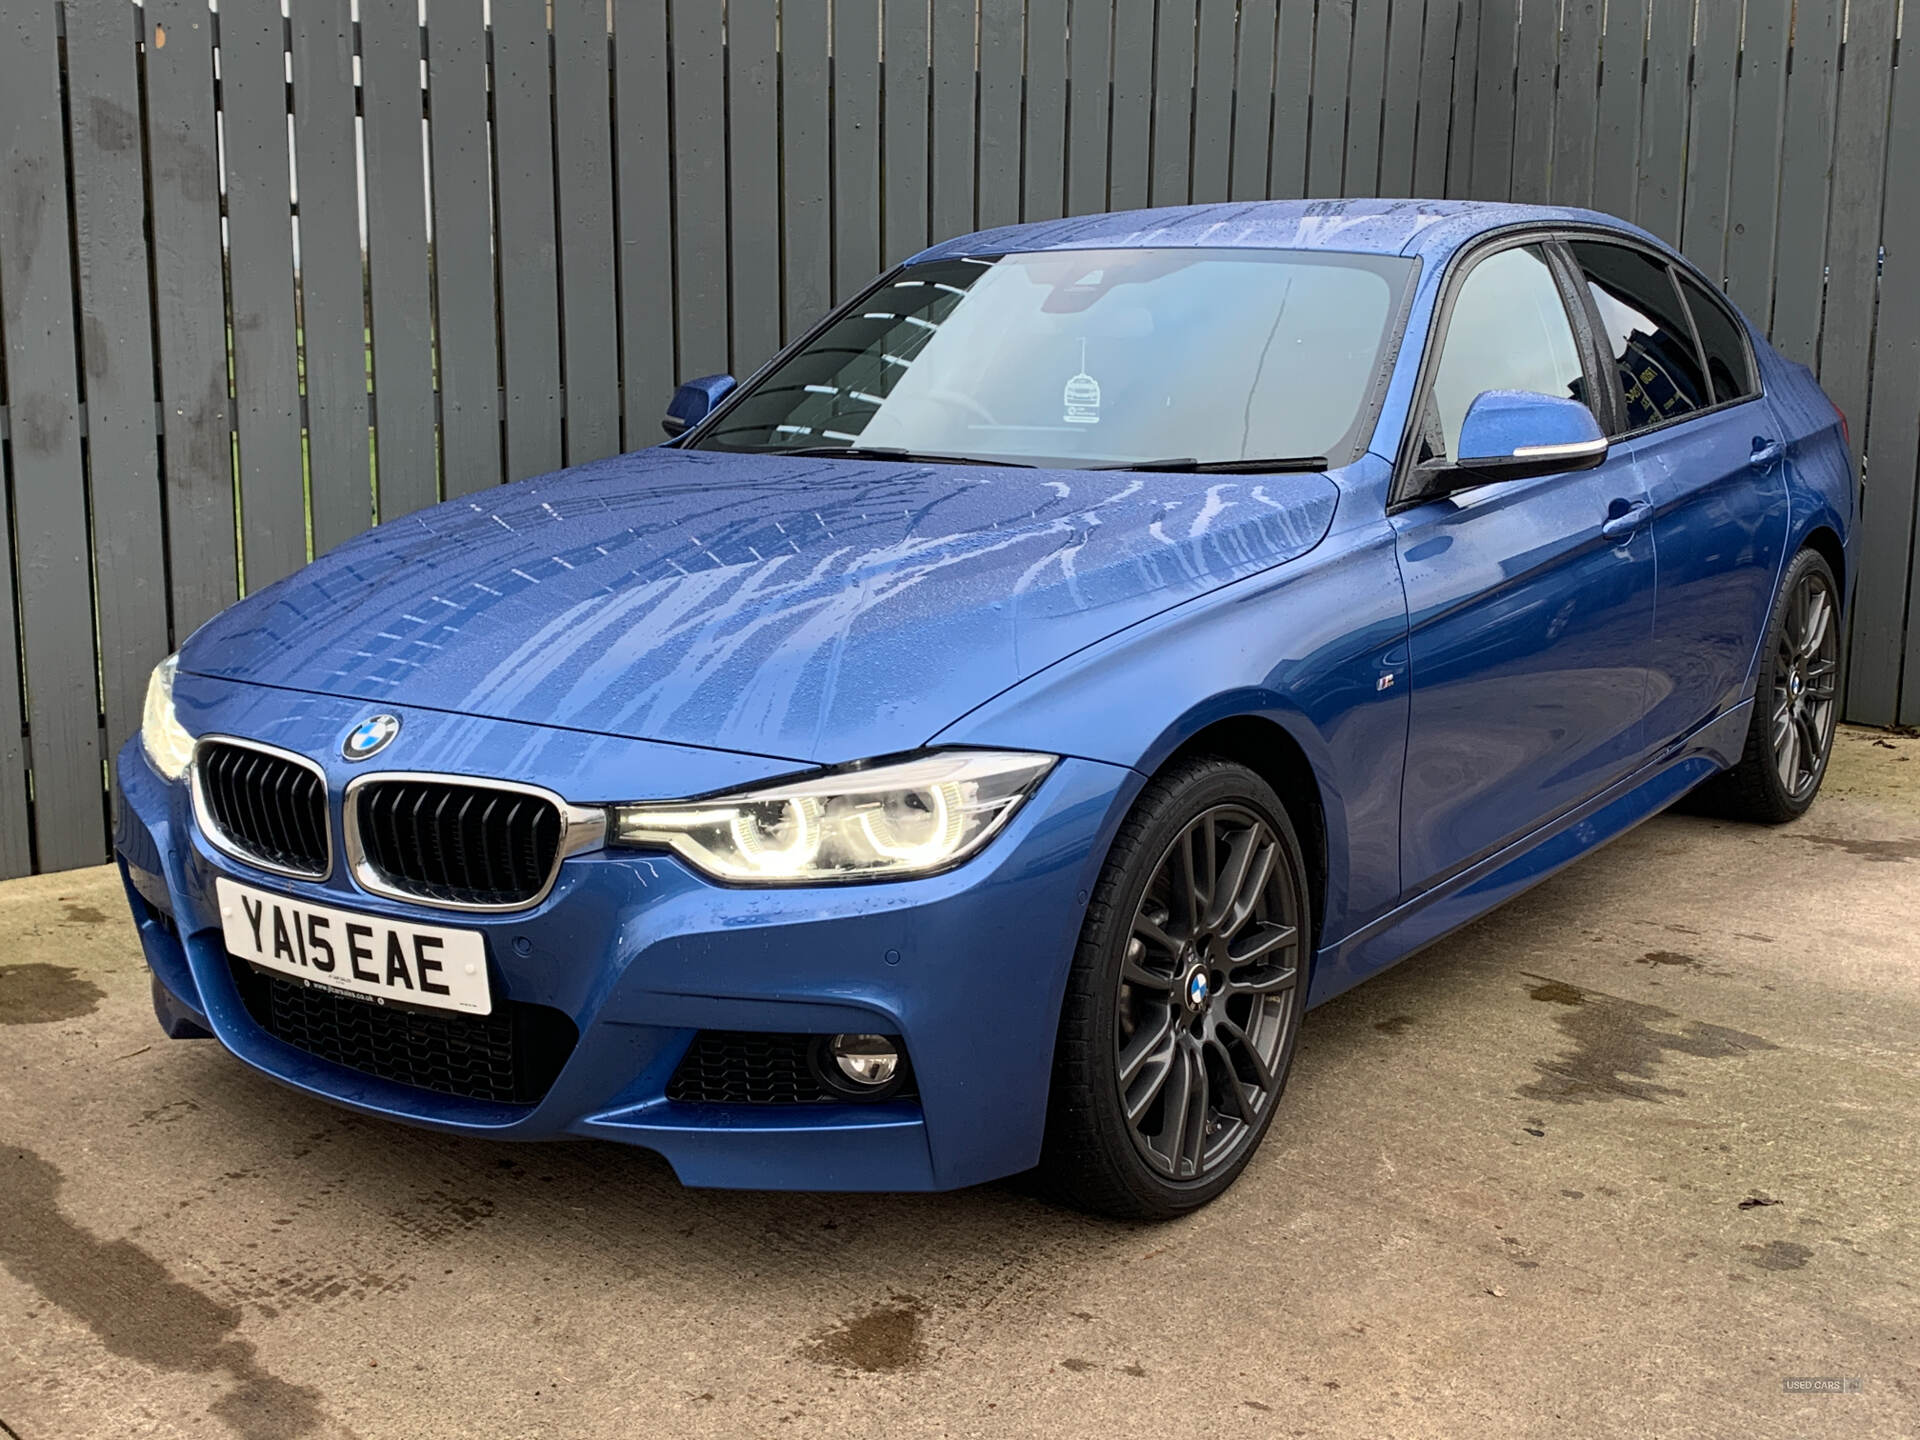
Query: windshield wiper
<point x="1188" y="465"/>
<point x="888" y="452"/>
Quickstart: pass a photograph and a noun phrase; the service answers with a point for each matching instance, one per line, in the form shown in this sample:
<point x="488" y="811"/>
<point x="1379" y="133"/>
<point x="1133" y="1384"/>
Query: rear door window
<point x="1645" y="329"/>
<point x="1721" y="340"/>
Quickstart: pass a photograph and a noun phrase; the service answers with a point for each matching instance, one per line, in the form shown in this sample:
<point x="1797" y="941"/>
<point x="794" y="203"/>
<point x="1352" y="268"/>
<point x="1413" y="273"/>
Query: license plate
<point x="367" y="955"/>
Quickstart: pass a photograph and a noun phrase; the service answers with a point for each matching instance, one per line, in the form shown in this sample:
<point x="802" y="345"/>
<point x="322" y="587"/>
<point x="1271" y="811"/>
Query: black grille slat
<point x="511" y="1056"/>
<point x="464" y="844"/>
<point x="271" y="809"/>
<point x="749" y="1067"/>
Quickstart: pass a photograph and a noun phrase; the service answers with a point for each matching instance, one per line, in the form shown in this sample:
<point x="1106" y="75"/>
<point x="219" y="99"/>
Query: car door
<point x="1710" y="453"/>
<point x="1530" y="601"/>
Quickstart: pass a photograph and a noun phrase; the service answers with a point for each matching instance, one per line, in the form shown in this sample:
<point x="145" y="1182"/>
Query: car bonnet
<point x="812" y="609"/>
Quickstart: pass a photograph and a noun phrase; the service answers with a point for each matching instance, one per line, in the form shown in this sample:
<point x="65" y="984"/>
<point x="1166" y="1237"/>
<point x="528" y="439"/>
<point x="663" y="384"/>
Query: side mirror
<point x="694" y="401"/>
<point x="1516" y="435"/>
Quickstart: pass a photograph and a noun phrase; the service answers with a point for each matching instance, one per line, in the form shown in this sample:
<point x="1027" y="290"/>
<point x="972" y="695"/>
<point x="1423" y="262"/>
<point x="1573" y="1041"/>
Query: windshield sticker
<point x="1082" y="395"/>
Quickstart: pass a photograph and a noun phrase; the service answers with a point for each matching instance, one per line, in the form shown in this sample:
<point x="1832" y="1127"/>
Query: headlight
<point x="169" y="747"/>
<point x="888" y="822"/>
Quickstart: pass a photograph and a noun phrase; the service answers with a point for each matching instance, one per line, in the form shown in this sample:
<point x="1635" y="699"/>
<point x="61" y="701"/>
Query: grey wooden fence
<point x="273" y="272"/>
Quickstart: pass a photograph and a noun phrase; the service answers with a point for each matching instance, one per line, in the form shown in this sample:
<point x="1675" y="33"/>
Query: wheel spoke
<point x="1149" y="931"/>
<point x="1261" y="942"/>
<point x="1819" y="614"/>
<point x="1193" y="1120"/>
<point x="1232" y="877"/>
<point x="1265" y="980"/>
<point x="1193" y="896"/>
<point x="1809" y="747"/>
<point x="1134" y="971"/>
<point x="1145" y="1064"/>
<point x="1233" y="1094"/>
<point x="1230" y="1033"/>
<point x="1787" y="756"/>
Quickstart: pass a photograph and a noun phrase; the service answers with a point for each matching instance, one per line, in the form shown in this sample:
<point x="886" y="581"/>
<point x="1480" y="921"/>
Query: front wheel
<point x="1184" y="1001"/>
<point x="1796" y="704"/>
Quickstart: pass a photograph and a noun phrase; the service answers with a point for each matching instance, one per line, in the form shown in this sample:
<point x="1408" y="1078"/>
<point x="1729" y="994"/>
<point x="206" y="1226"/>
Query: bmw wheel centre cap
<point x="370" y="737"/>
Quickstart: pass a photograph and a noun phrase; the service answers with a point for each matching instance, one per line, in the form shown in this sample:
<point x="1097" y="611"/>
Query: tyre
<point x="1184" y="1001"/>
<point x="1796" y="704"/>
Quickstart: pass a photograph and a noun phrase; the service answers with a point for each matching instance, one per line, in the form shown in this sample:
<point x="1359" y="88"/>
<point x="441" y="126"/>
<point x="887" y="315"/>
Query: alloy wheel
<point x="1209" y="993"/>
<point x="1806" y="672"/>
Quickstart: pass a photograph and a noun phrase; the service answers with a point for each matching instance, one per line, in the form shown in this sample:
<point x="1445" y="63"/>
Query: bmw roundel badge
<point x="370" y="737"/>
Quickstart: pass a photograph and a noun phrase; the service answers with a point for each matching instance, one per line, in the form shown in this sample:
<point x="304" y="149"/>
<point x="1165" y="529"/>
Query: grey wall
<point x="565" y="210"/>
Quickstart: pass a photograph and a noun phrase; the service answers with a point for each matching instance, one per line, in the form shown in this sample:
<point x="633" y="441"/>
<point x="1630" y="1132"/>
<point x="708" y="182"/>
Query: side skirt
<point x="1465" y="897"/>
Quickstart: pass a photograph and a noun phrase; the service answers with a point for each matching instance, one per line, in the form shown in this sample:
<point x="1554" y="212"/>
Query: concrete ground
<point x="1616" y="1161"/>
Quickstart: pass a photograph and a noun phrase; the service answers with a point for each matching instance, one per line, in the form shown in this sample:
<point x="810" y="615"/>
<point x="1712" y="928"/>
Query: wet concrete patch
<point x="38" y="994"/>
<point x="1393" y="1024"/>
<point x="1779" y="1255"/>
<point x="1617" y="1044"/>
<point x="886" y="1338"/>
<point x="135" y="1308"/>
<point x="83" y="914"/>
<point x="1885" y="851"/>
<point x="1669" y="957"/>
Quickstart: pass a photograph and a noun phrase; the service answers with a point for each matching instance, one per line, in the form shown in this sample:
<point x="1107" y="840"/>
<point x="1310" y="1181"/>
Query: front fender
<point x="1317" y="648"/>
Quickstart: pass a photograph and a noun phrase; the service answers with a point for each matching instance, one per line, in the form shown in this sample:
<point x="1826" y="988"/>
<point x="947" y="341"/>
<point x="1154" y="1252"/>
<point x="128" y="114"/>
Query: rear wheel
<point x="1796" y="704"/>
<point x="1184" y="1001"/>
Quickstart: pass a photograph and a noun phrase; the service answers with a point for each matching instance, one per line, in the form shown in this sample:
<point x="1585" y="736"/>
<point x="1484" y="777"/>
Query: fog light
<point x="865" y="1060"/>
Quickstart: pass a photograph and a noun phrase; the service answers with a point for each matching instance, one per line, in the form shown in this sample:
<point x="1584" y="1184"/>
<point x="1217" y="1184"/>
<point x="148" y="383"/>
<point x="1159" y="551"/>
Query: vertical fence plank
<point x="196" y="441"/>
<point x="1889" y="580"/>
<point x="1400" y="97"/>
<point x="1433" y="122"/>
<point x="590" y="363"/>
<point x="1292" y="100"/>
<point x="1576" y="103"/>
<point x="856" y="144"/>
<point x="1327" y="127"/>
<point x="1493" y="106"/>
<point x="1753" y="201"/>
<point x="1853" y="260"/>
<point x="116" y="345"/>
<point x="1703" y="224"/>
<point x="649" y="353"/>
<point x="1466" y="100"/>
<point x="404" y="464"/>
<point x="1044" y="196"/>
<point x="1089" y="66"/>
<point x="952" y="152"/>
<point x="1252" y="100"/>
<point x="49" y="498"/>
<point x="1536" y="55"/>
<point x="1366" y="96"/>
<point x="523" y="169"/>
<point x="903" y="170"/>
<point x="1663" y="118"/>
<point x="999" y="182"/>
<point x="1171" y="182"/>
<point x="805" y="167"/>
<point x="698" y="127"/>
<point x="333" y="299"/>
<point x="266" y="380"/>
<point x="1132" y="123"/>
<point x="1213" y="101"/>
<point x="1616" y="150"/>
<point x="753" y="180"/>
<point x="464" y="296"/>
<point x="1813" y="88"/>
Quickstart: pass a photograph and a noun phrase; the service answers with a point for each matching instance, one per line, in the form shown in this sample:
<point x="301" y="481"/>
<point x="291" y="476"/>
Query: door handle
<point x="1765" y="452"/>
<point x="1618" y="527"/>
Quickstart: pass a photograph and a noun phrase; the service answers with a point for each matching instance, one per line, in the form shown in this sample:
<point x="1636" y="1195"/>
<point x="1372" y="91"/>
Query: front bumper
<point x="642" y="953"/>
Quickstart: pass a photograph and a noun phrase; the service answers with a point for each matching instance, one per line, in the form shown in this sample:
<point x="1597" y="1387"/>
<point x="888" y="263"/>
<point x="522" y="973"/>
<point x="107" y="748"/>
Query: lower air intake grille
<point x="511" y="1056"/>
<point x="464" y="844"/>
<point x="269" y="808"/>
<point x="744" y="1067"/>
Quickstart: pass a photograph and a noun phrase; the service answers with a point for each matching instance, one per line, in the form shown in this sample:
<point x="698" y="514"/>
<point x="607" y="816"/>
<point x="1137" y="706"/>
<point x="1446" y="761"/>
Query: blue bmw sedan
<point x="972" y="744"/>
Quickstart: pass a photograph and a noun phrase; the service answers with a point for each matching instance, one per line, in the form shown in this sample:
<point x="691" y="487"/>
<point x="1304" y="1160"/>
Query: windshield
<point x="1090" y="357"/>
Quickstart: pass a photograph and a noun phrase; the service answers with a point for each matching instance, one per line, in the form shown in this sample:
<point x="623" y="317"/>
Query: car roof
<point x="1430" y="229"/>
